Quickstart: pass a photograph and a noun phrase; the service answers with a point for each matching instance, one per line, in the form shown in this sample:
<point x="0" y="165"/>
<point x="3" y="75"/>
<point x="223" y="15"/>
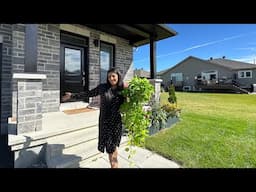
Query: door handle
<point x="83" y="81"/>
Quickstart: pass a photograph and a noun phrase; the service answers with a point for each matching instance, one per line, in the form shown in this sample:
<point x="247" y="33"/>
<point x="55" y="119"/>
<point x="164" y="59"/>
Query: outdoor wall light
<point x="96" y="42"/>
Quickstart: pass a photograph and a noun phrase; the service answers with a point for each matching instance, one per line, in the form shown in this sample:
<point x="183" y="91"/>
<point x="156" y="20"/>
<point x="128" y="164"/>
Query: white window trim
<point x="244" y="71"/>
<point x="177" y="74"/>
<point x="207" y="74"/>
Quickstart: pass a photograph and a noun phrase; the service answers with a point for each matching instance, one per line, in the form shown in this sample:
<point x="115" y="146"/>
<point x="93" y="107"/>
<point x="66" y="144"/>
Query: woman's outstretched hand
<point x="66" y="97"/>
<point x="126" y="85"/>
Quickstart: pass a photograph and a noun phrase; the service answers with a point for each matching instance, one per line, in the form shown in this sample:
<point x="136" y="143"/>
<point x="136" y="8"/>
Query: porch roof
<point x="137" y="34"/>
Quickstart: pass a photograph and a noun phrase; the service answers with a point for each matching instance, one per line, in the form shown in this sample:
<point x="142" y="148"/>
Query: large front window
<point x="176" y="77"/>
<point x="245" y="74"/>
<point x="106" y="60"/>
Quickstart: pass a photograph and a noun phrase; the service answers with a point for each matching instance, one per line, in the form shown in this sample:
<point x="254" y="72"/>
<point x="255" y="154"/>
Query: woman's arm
<point x="90" y="93"/>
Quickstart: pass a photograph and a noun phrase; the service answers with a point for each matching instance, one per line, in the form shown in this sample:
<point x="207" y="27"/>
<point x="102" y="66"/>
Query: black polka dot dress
<point x="110" y="123"/>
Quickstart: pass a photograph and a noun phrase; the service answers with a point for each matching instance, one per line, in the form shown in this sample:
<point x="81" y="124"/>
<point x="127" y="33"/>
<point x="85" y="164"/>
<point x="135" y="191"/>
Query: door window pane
<point x="72" y="61"/>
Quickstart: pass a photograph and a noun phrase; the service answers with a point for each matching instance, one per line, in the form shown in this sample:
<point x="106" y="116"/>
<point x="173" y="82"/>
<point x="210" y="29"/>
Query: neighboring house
<point x="39" y="62"/>
<point x="141" y="73"/>
<point x="194" y="74"/>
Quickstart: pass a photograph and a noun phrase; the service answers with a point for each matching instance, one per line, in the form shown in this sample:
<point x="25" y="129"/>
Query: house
<point x="39" y="62"/>
<point x="142" y="73"/>
<point x="195" y="74"/>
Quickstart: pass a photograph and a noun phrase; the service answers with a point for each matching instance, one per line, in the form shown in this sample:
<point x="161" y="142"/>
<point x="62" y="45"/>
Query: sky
<point x="234" y="41"/>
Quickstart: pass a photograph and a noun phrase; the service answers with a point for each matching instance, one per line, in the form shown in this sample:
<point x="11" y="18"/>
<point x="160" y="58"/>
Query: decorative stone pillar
<point x="157" y="89"/>
<point x="29" y="102"/>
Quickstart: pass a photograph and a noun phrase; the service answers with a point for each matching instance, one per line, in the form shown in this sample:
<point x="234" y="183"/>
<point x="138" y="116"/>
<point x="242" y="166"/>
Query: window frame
<point x="104" y="44"/>
<point x="240" y="76"/>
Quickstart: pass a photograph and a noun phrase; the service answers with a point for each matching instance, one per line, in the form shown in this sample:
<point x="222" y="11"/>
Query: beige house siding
<point x="192" y="67"/>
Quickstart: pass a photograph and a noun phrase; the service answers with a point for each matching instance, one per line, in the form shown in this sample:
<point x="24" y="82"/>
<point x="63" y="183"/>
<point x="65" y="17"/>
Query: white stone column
<point x="29" y="102"/>
<point x="157" y="89"/>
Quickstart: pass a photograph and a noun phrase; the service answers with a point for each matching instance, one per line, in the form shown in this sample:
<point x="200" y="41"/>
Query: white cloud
<point x="203" y="45"/>
<point x="248" y="59"/>
<point x="247" y="48"/>
<point x="199" y="46"/>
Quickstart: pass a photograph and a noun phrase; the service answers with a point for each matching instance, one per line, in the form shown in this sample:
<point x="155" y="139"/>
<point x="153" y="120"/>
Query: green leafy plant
<point x="134" y="117"/>
<point x="159" y="116"/>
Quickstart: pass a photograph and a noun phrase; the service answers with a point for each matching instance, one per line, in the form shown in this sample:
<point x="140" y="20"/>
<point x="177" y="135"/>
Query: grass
<point x="215" y="131"/>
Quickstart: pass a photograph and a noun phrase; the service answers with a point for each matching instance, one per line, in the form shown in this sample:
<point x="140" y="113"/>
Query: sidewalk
<point x="143" y="158"/>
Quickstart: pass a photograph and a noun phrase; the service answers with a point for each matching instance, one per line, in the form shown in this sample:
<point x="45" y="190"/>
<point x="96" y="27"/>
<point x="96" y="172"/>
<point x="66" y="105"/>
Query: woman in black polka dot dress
<point x="110" y="124"/>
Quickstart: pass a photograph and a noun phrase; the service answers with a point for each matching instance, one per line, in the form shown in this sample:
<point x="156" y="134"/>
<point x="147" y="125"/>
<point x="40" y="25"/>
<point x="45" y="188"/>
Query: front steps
<point x="73" y="149"/>
<point x="67" y="150"/>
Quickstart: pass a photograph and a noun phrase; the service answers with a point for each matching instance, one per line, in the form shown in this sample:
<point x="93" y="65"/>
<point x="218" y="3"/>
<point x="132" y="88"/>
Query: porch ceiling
<point x="137" y="34"/>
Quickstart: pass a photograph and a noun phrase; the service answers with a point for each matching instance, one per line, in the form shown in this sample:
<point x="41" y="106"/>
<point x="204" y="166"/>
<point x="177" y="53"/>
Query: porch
<point x="70" y="141"/>
<point x="42" y="132"/>
<point x="65" y="141"/>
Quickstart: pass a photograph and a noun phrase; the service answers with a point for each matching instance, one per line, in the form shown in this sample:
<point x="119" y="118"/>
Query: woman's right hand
<point x="66" y="97"/>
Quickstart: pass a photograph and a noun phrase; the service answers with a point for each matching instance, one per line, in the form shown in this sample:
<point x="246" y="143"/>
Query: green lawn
<point x="215" y="131"/>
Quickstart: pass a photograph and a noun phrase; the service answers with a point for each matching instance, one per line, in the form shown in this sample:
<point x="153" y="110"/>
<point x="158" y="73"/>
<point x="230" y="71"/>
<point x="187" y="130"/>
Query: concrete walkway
<point x="143" y="158"/>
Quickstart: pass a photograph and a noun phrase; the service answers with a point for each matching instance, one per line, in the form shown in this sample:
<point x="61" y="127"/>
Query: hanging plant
<point x="134" y="117"/>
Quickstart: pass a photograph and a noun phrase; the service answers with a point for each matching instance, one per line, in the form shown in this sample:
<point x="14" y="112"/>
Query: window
<point x="245" y="74"/>
<point x="176" y="77"/>
<point x="72" y="61"/>
<point x="106" y="60"/>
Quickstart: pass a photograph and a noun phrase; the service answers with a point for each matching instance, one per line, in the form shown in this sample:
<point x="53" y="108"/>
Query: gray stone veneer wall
<point x="48" y="62"/>
<point x="123" y="60"/>
<point x="6" y="76"/>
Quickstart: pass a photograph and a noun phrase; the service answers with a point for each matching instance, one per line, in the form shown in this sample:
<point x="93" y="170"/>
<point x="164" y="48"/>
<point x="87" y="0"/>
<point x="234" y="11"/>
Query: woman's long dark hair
<point x="120" y="78"/>
<point x="110" y="93"/>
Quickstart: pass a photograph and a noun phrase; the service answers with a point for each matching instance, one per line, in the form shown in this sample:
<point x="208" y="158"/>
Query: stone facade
<point x="48" y="62"/>
<point x="6" y="76"/>
<point x="29" y="115"/>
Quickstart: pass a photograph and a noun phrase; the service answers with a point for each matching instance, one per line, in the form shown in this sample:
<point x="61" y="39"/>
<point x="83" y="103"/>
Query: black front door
<point x="74" y="75"/>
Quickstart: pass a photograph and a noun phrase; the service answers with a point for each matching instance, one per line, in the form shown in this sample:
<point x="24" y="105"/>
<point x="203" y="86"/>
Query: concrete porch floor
<point x="61" y="120"/>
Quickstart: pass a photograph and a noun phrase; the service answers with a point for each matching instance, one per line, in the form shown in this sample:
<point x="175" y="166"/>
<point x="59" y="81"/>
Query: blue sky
<point x="234" y="41"/>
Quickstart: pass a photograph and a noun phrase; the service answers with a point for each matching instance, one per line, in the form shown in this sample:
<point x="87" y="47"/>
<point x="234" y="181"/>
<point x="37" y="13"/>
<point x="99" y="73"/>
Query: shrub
<point x="171" y="109"/>
<point x="172" y="97"/>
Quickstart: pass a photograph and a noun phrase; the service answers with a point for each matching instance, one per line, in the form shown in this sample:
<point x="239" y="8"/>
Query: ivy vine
<point x="135" y="118"/>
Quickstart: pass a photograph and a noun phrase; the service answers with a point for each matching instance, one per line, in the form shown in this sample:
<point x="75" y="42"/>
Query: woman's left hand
<point x="126" y="85"/>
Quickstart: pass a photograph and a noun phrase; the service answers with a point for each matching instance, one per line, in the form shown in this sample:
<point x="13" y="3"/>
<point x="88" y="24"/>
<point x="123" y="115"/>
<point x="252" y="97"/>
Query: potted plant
<point x="135" y="119"/>
<point x="158" y="119"/>
<point x="173" y="113"/>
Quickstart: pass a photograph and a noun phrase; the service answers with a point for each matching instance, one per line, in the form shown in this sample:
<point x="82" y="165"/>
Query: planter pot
<point x="169" y="123"/>
<point x="153" y="130"/>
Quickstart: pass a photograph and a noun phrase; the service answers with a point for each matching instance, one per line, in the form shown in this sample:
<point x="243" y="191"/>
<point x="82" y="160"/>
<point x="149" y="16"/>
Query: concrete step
<point x="79" y="155"/>
<point x="71" y="141"/>
<point x="89" y="162"/>
<point x="71" y="157"/>
<point x="75" y="137"/>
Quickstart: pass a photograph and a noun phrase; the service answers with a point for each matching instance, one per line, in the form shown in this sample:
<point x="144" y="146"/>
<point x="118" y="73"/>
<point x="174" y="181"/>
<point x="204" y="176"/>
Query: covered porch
<point x="59" y="139"/>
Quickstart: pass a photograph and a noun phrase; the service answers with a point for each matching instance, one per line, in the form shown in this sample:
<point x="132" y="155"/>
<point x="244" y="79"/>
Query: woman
<point x="110" y="124"/>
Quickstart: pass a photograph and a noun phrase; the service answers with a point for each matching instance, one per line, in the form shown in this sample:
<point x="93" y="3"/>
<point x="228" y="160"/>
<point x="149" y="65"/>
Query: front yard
<point x="215" y="131"/>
